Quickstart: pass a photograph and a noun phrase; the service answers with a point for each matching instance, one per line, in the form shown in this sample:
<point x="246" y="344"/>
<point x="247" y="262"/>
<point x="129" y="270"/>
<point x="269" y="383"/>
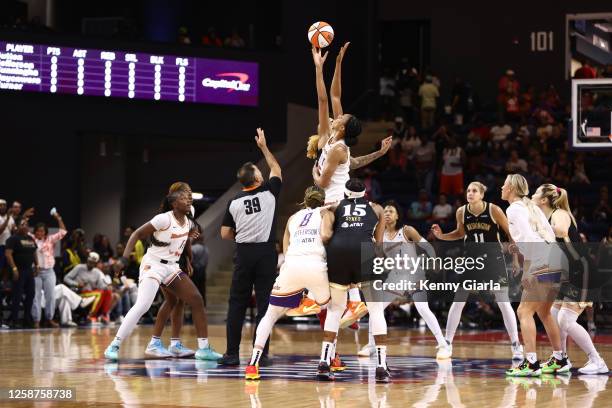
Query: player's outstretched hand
<point x="436" y="230"/>
<point x="342" y="51"/>
<point x="386" y="144"/>
<point x="260" y="139"/>
<point x="318" y="58"/>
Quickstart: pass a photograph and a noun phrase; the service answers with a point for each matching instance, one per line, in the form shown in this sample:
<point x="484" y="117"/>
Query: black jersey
<point x="481" y="227"/>
<point x="348" y="259"/>
<point x="355" y="220"/>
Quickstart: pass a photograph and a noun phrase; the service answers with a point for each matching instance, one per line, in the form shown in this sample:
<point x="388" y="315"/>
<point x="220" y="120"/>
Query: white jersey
<point x="305" y="235"/>
<point x="398" y="245"/>
<point x="169" y="230"/>
<point x="335" y="190"/>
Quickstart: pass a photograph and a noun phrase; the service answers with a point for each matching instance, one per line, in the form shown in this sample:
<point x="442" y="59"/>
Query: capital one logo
<point x="239" y="84"/>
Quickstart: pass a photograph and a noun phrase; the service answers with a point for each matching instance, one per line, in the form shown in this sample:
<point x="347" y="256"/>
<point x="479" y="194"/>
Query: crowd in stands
<point x="56" y="278"/>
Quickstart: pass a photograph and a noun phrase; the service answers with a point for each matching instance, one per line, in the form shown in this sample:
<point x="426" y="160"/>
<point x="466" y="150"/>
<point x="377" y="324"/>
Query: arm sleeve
<point x="228" y="219"/>
<point x="275" y="185"/>
<point x="161" y="222"/>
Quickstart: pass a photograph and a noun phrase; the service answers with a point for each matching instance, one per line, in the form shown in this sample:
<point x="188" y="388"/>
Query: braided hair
<point x="176" y="189"/>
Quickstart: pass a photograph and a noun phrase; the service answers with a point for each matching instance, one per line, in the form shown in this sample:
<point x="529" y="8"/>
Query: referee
<point x="250" y="221"/>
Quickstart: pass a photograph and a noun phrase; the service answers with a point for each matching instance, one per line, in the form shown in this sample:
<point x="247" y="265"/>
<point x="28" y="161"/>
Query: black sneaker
<point x="383" y="375"/>
<point x="229" y="360"/>
<point x="324" y="373"/>
<point x="265" y="361"/>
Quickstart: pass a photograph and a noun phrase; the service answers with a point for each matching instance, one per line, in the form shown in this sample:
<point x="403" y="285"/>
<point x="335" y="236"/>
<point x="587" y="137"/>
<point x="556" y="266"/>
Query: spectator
<point x="235" y="40"/>
<point x="88" y="281"/>
<point x="183" y="36"/>
<point x="586" y="71"/>
<point x="451" y="179"/>
<point x="508" y="87"/>
<point x="538" y="170"/>
<point x="420" y="210"/>
<point x="199" y="261"/>
<point x="387" y="94"/>
<point x="7" y="224"/>
<point x="211" y="39"/>
<point x="74" y="250"/>
<point x="101" y="245"/>
<point x="67" y="301"/>
<point x="132" y="270"/>
<point x="441" y="211"/>
<point x="373" y="189"/>
<point x="399" y="128"/>
<point x="408" y="87"/>
<point x="116" y="288"/>
<point x="424" y="163"/>
<point x="515" y="164"/>
<point x="580" y="176"/>
<point x="410" y="142"/>
<point x="602" y="212"/>
<point x="45" y="279"/>
<point x="500" y="132"/>
<point x="397" y="158"/>
<point x="429" y="95"/>
<point x="561" y="169"/>
<point x="21" y="258"/>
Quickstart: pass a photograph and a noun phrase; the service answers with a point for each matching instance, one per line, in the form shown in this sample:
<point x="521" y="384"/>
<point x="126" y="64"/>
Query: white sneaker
<point x="86" y="301"/>
<point x="594" y="367"/>
<point x="156" y="349"/>
<point x="367" y="351"/>
<point x="71" y="324"/>
<point x="517" y="351"/>
<point x="444" y="352"/>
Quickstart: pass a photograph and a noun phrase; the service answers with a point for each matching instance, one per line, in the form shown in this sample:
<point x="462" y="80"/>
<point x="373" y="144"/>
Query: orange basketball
<point x="320" y="34"/>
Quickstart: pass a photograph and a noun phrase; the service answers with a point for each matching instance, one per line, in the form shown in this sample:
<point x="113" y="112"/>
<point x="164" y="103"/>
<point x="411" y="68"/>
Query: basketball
<point x="320" y="34"/>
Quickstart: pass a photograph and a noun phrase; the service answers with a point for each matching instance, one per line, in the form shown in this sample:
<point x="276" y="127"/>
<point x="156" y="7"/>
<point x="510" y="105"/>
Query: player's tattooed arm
<point x="357" y="162"/>
<point x="336" y="86"/>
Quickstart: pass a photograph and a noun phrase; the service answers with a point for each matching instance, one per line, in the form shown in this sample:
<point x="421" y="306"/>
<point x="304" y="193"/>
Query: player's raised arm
<point x="336" y="86"/>
<point x="357" y="162"/>
<point x="454" y="235"/>
<point x="323" y="129"/>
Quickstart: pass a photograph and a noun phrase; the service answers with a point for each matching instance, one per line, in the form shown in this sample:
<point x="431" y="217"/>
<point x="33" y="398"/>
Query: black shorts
<point x="349" y="263"/>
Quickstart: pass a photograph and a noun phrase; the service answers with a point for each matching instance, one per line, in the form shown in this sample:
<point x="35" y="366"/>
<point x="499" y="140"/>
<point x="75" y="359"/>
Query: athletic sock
<point x="333" y="352"/>
<point x="326" y="350"/>
<point x="531" y="357"/>
<point x="381" y="356"/>
<point x="174" y="341"/>
<point x="431" y="322"/>
<point x="354" y="295"/>
<point x="202" y="342"/>
<point x="255" y="356"/>
<point x="558" y="354"/>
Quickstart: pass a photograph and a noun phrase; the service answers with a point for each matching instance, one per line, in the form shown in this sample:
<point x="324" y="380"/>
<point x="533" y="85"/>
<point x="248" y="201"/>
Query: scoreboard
<point x="132" y="75"/>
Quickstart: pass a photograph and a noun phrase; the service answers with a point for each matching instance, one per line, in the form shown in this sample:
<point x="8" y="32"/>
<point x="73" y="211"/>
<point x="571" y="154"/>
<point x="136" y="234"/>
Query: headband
<point x="353" y="194"/>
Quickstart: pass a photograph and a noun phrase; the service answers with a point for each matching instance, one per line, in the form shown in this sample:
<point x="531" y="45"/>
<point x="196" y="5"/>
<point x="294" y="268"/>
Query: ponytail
<point x="557" y="199"/>
<point x="520" y="187"/>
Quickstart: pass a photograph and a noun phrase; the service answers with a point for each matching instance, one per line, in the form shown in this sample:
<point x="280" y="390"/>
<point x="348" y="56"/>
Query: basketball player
<point x="173" y="308"/>
<point x="572" y="299"/>
<point x="533" y="234"/>
<point x="331" y="170"/>
<point x="400" y="239"/>
<point x="169" y="233"/>
<point x="305" y="267"/>
<point x="356" y="221"/>
<point x="480" y="221"/>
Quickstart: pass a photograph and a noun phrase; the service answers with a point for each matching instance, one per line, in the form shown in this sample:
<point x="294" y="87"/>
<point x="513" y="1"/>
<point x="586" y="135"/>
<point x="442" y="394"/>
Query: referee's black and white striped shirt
<point x="252" y="213"/>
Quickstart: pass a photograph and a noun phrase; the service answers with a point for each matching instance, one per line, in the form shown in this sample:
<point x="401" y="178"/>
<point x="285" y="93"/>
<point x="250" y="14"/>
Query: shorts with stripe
<point x="297" y="274"/>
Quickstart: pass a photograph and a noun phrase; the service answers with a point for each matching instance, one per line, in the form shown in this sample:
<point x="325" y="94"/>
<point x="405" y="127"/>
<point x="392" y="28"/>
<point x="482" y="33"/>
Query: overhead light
<point x="197" y="196"/>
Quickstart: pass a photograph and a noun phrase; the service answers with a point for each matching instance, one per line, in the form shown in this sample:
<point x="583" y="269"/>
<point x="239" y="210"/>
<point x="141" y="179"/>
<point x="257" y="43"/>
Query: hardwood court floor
<point x="73" y="358"/>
